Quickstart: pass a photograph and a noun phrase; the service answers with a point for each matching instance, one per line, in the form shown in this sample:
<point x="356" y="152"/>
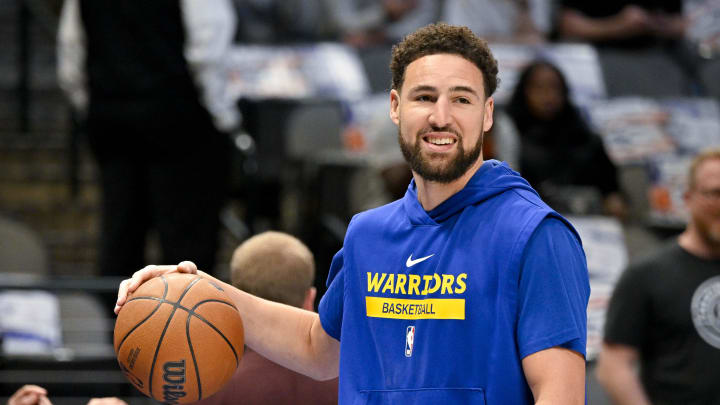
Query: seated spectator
<point x="525" y="21"/>
<point x="277" y="267"/>
<point x="622" y="22"/>
<point x="556" y="148"/>
<point x="282" y="21"/>
<point x="641" y="43"/>
<point x="364" y="23"/>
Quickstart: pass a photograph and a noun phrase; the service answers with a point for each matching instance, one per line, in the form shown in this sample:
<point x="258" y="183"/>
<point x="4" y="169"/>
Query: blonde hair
<point x="275" y="266"/>
<point x="702" y="157"/>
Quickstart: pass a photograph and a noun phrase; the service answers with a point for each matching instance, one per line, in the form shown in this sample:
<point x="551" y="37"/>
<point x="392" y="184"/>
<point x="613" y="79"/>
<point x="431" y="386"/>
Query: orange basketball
<point x="178" y="338"/>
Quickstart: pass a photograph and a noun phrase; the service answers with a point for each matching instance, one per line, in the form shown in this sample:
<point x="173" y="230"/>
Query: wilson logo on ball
<point x="174" y="377"/>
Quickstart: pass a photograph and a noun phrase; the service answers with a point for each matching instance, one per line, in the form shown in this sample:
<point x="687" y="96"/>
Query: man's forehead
<point x="443" y="62"/>
<point x="444" y="72"/>
<point x="706" y="174"/>
<point x="708" y="171"/>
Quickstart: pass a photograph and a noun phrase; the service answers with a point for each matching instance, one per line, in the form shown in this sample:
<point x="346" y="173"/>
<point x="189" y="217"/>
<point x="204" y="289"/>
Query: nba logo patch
<point x="409" y="340"/>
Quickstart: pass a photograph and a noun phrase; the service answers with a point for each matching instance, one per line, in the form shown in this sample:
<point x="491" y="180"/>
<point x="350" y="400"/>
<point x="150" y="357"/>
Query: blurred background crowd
<point x="135" y="133"/>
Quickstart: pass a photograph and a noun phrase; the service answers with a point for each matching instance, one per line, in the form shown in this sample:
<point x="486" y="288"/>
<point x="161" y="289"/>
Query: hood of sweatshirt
<point x="491" y="179"/>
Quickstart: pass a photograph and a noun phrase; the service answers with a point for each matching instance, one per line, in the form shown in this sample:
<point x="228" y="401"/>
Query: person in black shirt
<point x="664" y="311"/>
<point x="149" y="80"/>
<point x="641" y="43"/>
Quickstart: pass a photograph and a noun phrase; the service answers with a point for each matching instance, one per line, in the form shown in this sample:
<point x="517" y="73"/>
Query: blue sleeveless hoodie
<point x="431" y="307"/>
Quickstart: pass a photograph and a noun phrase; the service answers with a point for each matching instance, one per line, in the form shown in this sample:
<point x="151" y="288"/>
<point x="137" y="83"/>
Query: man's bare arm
<point x="616" y="372"/>
<point x="289" y="336"/>
<point x="631" y="21"/>
<point x="556" y="376"/>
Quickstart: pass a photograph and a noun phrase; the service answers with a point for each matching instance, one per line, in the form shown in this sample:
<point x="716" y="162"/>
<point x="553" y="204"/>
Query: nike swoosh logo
<point x="410" y="262"/>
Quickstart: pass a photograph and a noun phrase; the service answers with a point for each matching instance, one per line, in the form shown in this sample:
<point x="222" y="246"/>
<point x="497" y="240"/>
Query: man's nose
<point x="440" y="114"/>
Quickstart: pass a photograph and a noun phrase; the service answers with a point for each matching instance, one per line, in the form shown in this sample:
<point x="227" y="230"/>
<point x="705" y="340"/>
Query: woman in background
<point x="558" y="152"/>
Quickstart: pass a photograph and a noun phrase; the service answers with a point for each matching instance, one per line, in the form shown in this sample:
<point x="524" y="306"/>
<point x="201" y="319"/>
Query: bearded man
<point x="665" y="311"/>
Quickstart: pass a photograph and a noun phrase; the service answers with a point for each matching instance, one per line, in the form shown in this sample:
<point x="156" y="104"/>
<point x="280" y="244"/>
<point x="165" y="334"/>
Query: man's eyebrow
<point x="465" y="89"/>
<point x="423" y="88"/>
<point x="455" y="89"/>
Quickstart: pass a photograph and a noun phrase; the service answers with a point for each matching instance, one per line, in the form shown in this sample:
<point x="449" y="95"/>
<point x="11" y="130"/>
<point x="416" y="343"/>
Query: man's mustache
<point x="438" y="129"/>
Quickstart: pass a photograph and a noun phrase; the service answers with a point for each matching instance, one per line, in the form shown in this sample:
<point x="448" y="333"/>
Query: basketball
<point x="178" y="338"/>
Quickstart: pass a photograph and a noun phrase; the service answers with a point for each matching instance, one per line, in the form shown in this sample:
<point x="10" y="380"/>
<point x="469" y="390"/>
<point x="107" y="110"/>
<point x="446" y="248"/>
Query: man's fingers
<point x="187" y="267"/>
<point x="130" y="285"/>
<point x="44" y="401"/>
<point x="26" y="398"/>
<point x="107" y="401"/>
<point x="122" y="295"/>
<point x="32" y="388"/>
<point x="27" y="395"/>
<point x="30" y="398"/>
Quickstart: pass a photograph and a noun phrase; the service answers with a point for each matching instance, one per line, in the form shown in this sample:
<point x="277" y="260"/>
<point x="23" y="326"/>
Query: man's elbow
<point x="324" y="370"/>
<point x="324" y="352"/>
<point x="325" y="375"/>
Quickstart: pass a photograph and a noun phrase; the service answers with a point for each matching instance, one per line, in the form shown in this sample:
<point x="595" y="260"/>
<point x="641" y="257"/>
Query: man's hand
<point x="633" y="20"/>
<point x="29" y="395"/>
<point x="131" y="284"/>
<point x="630" y="22"/>
<point x="107" y="401"/>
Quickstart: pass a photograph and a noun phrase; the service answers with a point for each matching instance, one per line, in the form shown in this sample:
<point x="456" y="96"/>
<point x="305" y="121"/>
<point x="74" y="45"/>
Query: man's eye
<point x="424" y="98"/>
<point x="463" y="100"/>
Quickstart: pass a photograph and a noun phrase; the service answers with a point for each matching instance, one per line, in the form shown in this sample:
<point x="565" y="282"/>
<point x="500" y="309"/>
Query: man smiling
<point x="469" y="289"/>
<point x="443" y="113"/>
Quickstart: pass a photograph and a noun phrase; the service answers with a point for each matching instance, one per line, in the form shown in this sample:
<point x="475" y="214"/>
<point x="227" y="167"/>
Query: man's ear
<point x="395" y="106"/>
<point x="488" y="117"/>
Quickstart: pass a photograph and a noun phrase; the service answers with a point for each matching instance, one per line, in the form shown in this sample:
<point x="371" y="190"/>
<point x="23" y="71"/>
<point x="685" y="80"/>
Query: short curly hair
<point x="443" y="38"/>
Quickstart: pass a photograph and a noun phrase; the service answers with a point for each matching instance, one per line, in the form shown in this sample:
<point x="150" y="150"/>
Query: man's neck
<point x="694" y="243"/>
<point x="432" y="193"/>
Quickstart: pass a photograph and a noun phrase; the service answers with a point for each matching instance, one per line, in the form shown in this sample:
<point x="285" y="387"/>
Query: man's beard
<point x="442" y="173"/>
<point x="709" y="232"/>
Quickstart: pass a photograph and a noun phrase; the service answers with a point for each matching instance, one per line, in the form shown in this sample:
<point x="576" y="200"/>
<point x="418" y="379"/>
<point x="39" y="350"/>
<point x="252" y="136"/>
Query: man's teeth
<point x="440" y="141"/>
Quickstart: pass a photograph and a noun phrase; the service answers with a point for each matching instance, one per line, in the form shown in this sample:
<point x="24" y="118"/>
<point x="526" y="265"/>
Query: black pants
<point x="169" y="177"/>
